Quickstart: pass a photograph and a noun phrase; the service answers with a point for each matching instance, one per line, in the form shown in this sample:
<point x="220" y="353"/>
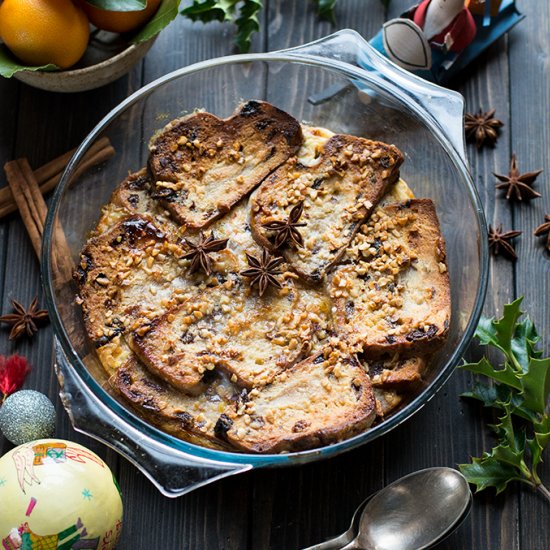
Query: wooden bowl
<point x="106" y="59"/>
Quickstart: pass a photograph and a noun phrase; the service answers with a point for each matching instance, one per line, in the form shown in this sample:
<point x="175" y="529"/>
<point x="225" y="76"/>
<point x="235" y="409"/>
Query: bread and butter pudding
<point x="264" y="286"/>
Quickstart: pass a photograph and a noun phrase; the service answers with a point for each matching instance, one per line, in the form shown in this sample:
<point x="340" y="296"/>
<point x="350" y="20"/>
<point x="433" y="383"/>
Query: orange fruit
<point x="39" y="32"/>
<point x="119" y="21"/>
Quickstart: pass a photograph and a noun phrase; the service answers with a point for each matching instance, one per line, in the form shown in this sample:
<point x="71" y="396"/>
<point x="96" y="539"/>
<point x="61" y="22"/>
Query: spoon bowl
<point x="413" y="513"/>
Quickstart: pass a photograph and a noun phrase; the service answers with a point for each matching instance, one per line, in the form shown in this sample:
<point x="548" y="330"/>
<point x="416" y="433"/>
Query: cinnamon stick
<point x="48" y="175"/>
<point x="24" y="188"/>
<point x="33" y="209"/>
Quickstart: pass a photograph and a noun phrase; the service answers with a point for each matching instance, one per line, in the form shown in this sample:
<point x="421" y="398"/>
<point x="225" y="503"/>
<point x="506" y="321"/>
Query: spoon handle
<point x="333" y="544"/>
<point x="337" y="543"/>
<point x="353" y="545"/>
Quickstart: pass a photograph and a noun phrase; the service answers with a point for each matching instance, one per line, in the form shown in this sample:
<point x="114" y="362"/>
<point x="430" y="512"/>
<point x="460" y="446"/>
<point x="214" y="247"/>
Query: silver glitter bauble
<point x="27" y="415"/>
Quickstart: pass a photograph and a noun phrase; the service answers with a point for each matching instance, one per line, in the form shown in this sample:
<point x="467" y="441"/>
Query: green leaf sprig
<point x="243" y="13"/>
<point x="519" y="390"/>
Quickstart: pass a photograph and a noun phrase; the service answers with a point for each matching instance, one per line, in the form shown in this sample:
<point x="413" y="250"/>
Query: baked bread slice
<point x="203" y="165"/>
<point x="190" y="418"/>
<point x="324" y="399"/>
<point x="398" y="373"/>
<point x="125" y="275"/>
<point x="387" y="401"/>
<point x="392" y="293"/>
<point x="226" y="325"/>
<point x="336" y="195"/>
<point x="231" y="328"/>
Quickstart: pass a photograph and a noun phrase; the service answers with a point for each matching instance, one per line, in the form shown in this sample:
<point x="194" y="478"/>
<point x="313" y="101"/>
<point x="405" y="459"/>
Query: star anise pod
<point x="263" y="272"/>
<point x="518" y="185"/>
<point x="482" y="127"/>
<point x="23" y="320"/>
<point x="285" y="231"/>
<point x="544" y="228"/>
<point x="498" y="241"/>
<point x="199" y="253"/>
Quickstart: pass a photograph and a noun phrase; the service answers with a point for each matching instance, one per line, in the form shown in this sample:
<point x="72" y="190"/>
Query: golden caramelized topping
<point x="304" y="313"/>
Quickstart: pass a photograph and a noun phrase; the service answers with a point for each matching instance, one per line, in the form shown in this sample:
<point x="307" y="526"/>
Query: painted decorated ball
<point x="56" y="494"/>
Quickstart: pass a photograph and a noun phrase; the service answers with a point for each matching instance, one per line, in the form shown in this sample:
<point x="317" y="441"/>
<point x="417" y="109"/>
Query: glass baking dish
<point x="338" y="82"/>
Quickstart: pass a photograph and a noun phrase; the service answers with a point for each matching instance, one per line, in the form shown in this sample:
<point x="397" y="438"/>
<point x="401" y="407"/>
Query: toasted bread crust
<point x="203" y="165"/>
<point x="399" y="373"/>
<point x="324" y="399"/>
<point x="338" y="194"/>
<point x="190" y="418"/>
<point x="401" y="298"/>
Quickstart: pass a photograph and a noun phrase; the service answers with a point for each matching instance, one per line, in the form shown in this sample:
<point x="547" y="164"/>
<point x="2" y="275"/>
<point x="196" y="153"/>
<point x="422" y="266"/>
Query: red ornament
<point x="13" y="371"/>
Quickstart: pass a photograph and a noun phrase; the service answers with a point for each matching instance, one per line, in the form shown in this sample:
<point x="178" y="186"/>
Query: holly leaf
<point x="9" y="64"/>
<point x="246" y="18"/>
<point x="540" y="441"/>
<point x="520" y="387"/>
<point x="168" y="11"/>
<point x="536" y="385"/>
<point x="499" y="332"/>
<point x="210" y="10"/>
<point x="488" y="471"/>
<point x="247" y="23"/>
<point x="505" y="375"/>
<point x="118" y="5"/>
<point x="490" y="396"/>
<point x="524" y="342"/>
<point x="325" y="9"/>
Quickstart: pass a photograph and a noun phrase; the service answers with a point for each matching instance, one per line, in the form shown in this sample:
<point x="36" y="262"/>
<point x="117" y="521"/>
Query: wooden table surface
<point x="291" y="508"/>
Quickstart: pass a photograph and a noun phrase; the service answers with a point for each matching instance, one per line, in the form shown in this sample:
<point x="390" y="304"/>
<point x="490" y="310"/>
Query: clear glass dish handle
<point x="443" y="107"/>
<point x="172" y="471"/>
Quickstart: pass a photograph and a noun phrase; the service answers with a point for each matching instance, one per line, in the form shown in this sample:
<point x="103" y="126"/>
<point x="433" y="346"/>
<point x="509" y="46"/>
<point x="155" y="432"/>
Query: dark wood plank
<point x="216" y="516"/>
<point x="45" y="125"/>
<point x="459" y="430"/>
<point x="530" y="103"/>
<point x="299" y="506"/>
<point x="492" y="520"/>
<point x="8" y="123"/>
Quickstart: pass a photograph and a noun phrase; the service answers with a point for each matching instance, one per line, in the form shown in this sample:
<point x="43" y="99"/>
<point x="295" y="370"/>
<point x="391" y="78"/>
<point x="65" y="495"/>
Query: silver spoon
<point x="413" y="513"/>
